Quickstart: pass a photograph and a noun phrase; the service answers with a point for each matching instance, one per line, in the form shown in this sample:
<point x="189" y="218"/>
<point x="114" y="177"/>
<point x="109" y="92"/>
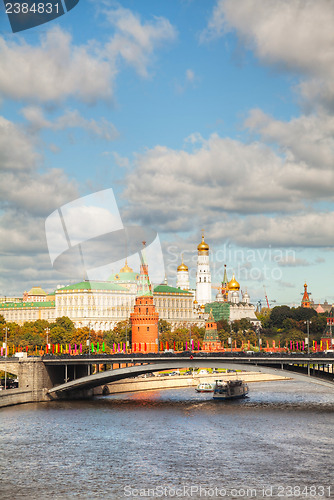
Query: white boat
<point x="230" y="389"/>
<point x="205" y="387"/>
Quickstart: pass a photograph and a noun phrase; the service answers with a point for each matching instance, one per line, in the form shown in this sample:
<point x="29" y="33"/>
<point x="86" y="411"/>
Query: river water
<point x="277" y="443"/>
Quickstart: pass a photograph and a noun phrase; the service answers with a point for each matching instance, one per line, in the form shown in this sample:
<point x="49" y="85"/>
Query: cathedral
<point x="230" y="304"/>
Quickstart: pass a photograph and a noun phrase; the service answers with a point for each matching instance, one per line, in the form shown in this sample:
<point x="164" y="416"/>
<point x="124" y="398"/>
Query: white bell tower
<point x="203" y="275"/>
<point x="182" y="280"/>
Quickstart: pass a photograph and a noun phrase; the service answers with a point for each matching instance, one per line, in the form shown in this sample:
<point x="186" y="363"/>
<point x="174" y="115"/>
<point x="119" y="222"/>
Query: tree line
<point x="280" y="324"/>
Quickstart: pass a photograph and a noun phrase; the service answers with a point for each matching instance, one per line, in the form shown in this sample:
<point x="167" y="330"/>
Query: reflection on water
<point x="279" y="436"/>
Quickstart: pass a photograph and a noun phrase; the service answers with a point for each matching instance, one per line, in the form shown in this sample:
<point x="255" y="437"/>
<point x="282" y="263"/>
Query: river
<point x="277" y="443"/>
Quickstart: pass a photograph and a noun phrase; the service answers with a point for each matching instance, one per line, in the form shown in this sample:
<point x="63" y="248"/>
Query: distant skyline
<point x="214" y="115"/>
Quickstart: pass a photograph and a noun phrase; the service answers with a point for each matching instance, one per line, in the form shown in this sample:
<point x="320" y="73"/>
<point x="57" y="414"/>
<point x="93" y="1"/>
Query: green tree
<point x="164" y="326"/>
<point x="303" y="313"/>
<point x="264" y="317"/>
<point x="279" y="314"/>
<point x="121" y="333"/>
<point x="29" y="334"/>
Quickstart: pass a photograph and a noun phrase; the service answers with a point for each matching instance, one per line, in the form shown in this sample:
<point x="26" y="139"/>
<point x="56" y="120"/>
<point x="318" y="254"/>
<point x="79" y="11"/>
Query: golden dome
<point x="233" y="284"/>
<point x="203" y="247"/>
<point x="195" y="301"/>
<point x="126" y="268"/>
<point x="182" y="267"/>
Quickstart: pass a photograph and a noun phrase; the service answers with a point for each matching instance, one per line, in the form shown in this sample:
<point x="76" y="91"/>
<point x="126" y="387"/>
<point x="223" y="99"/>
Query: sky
<point x="197" y="114"/>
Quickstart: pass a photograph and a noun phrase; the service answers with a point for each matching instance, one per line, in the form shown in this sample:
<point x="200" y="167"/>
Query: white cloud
<point x="190" y="75"/>
<point x="301" y="229"/>
<point x="295" y="34"/>
<point x="27" y="196"/>
<point x="22" y="186"/>
<point x="308" y="138"/>
<point x="292" y="261"/>
<point x="233" y="183"/>
<point x="16" y="149"/>
<point x="57" y="69"/>
<point x="70" y="119"/>
<point x="134" y="41"/>
<point x="54" y="70"/>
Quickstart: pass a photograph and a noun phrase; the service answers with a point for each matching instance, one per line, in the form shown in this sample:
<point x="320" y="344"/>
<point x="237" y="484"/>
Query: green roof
<point x="94" y="285"/>
<point x="26" y="305"/>
<point x="170" y="289"/>
<point x="37" y="290"/>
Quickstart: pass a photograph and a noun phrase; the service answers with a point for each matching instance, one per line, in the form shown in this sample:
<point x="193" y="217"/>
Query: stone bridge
<point x="53" y="377"/>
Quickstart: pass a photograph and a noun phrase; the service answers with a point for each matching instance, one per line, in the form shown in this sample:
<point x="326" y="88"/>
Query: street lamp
<point x="230" y="338"/>
<point x="307" y="322"/>
<point x="5" y="346"/>
<point x="47" y="331"/>
<point x="190" y="348"/>
<point x="307" y="340"/>
<point x="258" y="336"/>
<point x="126" y="335"/>
<point x="88" y="341"/>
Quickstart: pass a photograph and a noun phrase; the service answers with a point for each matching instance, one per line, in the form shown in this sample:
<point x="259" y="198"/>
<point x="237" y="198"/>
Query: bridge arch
<point x="98" y="379"/>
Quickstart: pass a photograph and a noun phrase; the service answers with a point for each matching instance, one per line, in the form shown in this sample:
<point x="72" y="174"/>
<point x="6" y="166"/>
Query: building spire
<point x="144" y="286"/>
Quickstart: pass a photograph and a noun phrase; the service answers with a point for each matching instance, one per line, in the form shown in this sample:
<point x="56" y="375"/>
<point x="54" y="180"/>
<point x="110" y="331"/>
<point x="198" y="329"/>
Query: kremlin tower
<point x="203" y="275"/>
<point x="182" y="278"/>
<point x="306" y="298"/>
<point x="144" y="319"/>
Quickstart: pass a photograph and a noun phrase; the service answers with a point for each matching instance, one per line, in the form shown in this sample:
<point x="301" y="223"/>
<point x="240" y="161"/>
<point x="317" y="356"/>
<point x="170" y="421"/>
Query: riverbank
<point x="179" y="381"/>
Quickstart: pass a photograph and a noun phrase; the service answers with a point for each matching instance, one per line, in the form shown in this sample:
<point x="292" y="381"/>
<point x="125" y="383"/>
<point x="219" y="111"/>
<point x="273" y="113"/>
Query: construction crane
<point x="266" y="297"/>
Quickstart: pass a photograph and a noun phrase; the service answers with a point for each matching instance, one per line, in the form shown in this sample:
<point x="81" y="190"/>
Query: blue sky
<point x="198" y="114"/>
